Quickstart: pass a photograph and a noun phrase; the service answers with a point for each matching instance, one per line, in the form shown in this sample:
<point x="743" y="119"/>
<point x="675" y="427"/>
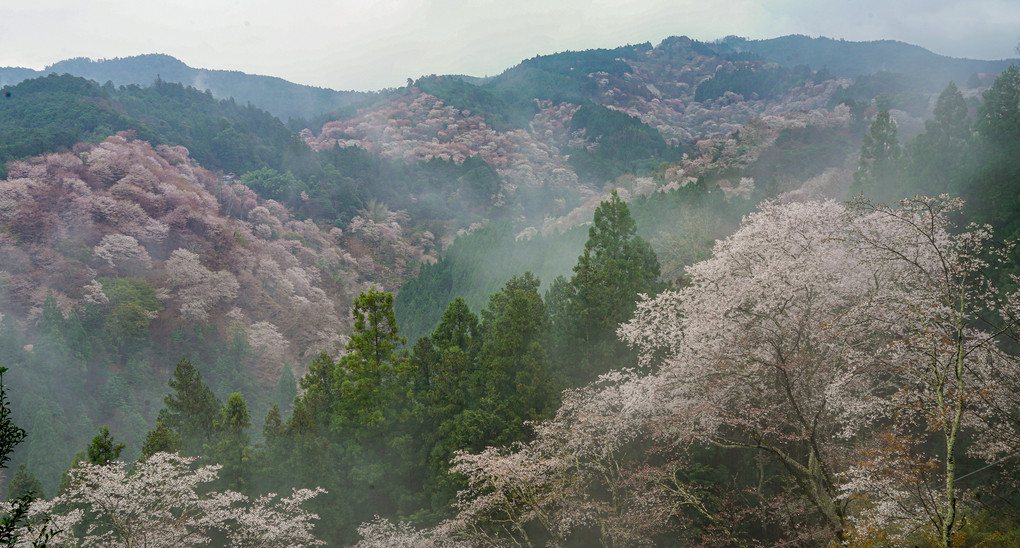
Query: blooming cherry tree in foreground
<point x="815" y="323"/>
<point x="156" y="503"/>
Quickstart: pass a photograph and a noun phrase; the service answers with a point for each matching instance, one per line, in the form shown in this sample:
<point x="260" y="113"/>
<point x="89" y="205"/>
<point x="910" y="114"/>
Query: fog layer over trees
<point x="657" y="296"/>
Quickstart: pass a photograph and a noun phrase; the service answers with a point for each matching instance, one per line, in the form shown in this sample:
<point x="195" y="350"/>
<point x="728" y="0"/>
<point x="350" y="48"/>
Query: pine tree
<point x="160" y="440"/>
<point x="878" y="169"/>
<point x="191" y="409"/>
<point x="585" y="311"/>
<point x="231" y="448"/>
<point x="102" y="450"/>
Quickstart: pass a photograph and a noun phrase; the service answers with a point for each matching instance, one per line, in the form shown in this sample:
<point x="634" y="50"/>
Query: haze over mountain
<point x="288" y="100"/>
<point x="282" y="98"/>
<point x="508" y="226"/>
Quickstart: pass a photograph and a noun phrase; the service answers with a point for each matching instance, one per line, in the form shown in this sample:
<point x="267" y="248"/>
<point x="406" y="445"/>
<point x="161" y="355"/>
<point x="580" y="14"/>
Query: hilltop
<point x="283" y="99"/>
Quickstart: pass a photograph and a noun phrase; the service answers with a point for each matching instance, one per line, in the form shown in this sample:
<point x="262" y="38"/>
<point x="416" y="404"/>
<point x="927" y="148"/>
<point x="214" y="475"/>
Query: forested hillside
<point x="283" y="99"/>
<point x="671" y="295"/>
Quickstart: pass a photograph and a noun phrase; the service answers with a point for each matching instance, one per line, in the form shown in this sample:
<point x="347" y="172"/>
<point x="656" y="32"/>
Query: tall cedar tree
<point x="191" y="409"/>
<point x="993" y="191"/>
<point x="444" y="372"/>
<point x="512" y="383"/>
<point x="102" y="450"/>
<point x="936" y="159"/>
<point x="878" y="168"/>
<point x="617" y="265"/>
<point x="231" y="448"/>
<point x="350" y="429"/>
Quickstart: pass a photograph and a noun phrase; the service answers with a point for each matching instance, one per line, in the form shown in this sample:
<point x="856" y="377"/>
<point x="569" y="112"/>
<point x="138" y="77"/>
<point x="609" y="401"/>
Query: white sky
<point x="372" y="44"/>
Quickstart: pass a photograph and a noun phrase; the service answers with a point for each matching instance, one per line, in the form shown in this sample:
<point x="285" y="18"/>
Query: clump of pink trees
<point x="157" y="503"/>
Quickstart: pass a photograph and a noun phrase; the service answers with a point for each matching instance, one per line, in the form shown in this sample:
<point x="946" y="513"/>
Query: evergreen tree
<point x="937" y="157"/>
<point x="511" y="384"/>
<point x="231" y="448"/>
<point x="24" y="483"/>
<point x="368" y="380"/>
<point x="160" y="440"/>
<point x="444" y="376"/>
<point x="286" y="388"/>
<point x="999" y="115"/>
<point x="992" y="192"/>
<point x="878" y="168"/>
<point x="191" y="409"/>
<point x="102" y="450"/>
<point x="585" y="311"/>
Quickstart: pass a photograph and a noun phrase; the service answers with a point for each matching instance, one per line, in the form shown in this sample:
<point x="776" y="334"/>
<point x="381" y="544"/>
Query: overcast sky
<point x="372" y="44"/>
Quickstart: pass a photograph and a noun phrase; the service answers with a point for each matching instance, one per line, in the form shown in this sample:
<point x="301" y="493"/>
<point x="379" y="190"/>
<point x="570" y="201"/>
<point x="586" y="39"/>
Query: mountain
<point x="283" y="99"/>
<point x="851" y="59"/>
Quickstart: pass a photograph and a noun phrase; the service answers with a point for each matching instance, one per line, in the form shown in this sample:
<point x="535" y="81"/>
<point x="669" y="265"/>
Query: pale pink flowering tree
<point x="812" y="325"/>
<point x="952" y="378"/>
<point x="382" y="533"/>
<point x="197" y="288"/>
<point x="753" y="348"/>
<point x="123" y="252"/>
<point x="155" y="503"/>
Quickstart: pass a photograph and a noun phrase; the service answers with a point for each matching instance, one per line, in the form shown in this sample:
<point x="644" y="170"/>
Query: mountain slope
<point x="282" y="98"/>
<point x="851" y="59"/>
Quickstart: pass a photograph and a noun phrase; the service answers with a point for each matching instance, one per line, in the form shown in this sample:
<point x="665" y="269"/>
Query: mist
<point x="391" y="301"/>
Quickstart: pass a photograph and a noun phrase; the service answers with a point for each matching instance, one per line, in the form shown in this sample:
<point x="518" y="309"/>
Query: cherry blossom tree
<point x="814" y="324"/>
<point x="156" y="503"/>
<point x="197" y="288"/>
<point x="579" y="478"/>
<point x="124" y="252"/>
<point x="755" y="347"/>
<point x="953" y="381"/>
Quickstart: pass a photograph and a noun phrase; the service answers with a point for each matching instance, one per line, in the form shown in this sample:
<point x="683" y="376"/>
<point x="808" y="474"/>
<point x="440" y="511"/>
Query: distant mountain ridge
<point x="286" y="100"/>
<point x="848" y="59"/>
<point x="280" y="97"/>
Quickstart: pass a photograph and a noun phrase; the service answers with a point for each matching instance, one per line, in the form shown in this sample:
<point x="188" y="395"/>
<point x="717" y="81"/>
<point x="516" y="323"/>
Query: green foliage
<point x="10" y="434"/>
<point x="24" y="483"/>
<point x="938" y="157"/>
<point x="476" y="384"/>
<point x="625" y="144"/>
<point x="516" y="385"/>
<point x="191" y="409"/>
<point x="999" y="116"/>
<point x="888" y="90"/>
<point x="102" y="450"/>
<point x="615" y="267"/>
<point x="284" y="99"/>
<point x="478" y="264"/>
<point x="55" y="112"/>
<point x="271" y="184"/>
<point x="764" y="83"/>
<point x="351" y="430"/>
<point x="877" y="174"/>
<point x="286" y="388"/>
<point x="160" y="440"/>
<point x="231" y="445"/>
<point x="125" y="319"/>
<point x="993" y="187"/>
<point x="499" y="109"/>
